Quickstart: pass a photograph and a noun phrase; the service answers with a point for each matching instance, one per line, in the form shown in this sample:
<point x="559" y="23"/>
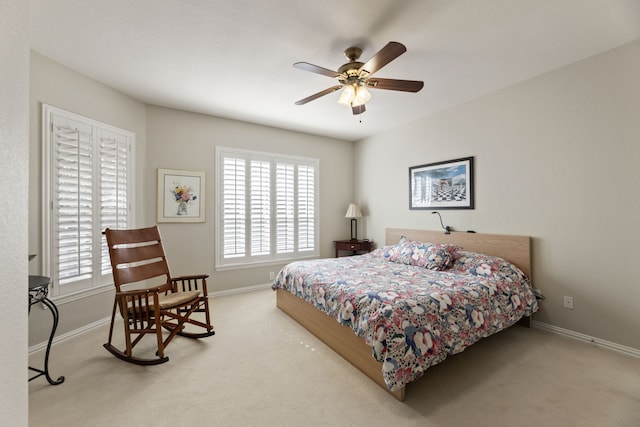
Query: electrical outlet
<point x="567" y="302"/>
<point x="272" y="275"/>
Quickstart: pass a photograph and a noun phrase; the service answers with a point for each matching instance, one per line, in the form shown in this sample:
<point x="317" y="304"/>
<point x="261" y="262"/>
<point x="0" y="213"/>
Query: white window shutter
<point x="306" y="208"/>
<point x="233" y="207"/>
<point x="114" y="166"/>
<point x="268" y="207"/>
<point x="73" y="204"/>
<point x="88" y="179"/>
<point x="260" y="208"/>
<point x="285" y="208"/>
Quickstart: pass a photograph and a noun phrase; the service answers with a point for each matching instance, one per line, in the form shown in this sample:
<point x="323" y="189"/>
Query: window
<point x="268" y="208"/>
<point x="87" y="183"/>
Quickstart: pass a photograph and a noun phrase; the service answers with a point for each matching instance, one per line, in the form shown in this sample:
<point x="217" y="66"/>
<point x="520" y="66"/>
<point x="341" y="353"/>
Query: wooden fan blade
<point x="318" y="95"/>
<point x="392" y="84"/>
<point x="358" y="110"/>
<point x="385" y="55"/>
<point x="315" y="69"/>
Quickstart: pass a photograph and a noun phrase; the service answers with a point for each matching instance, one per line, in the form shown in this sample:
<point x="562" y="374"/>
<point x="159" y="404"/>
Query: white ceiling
<point x="234" y="58"/>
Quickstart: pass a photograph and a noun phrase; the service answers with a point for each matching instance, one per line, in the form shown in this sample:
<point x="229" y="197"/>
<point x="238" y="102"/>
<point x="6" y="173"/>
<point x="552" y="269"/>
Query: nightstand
<point x="354" y="246"/>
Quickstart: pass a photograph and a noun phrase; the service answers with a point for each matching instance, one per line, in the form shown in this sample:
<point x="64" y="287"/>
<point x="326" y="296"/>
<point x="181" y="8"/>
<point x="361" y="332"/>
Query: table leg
<point x="54" y="312"/>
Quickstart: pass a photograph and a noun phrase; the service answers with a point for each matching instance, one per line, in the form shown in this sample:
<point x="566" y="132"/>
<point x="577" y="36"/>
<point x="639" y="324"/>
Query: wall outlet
<point x="567" y="302"/>
<point x="272" y="275"/>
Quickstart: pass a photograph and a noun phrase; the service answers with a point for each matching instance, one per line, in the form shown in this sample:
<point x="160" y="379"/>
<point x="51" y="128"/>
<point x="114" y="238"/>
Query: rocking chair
<point x="148" y="298"/>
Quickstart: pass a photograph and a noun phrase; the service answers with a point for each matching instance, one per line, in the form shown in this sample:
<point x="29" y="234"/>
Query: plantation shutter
<point x="285" y="222"/>
<point x="88" y="174"/>
<point x="233" y="207"/>
<point x="306" y="208"/>
<point x="114" y="166"/>
<point x="260" y="208"/>
<point x="73" y="202"/>
<point x="267" y="206"/>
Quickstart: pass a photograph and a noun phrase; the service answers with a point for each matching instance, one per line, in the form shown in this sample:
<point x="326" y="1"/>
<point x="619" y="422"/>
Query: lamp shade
<point x="362" y="96"/>
<point x="354" y="95"/>
<point x="353" y="211"/>
<point x="347" y="96"/>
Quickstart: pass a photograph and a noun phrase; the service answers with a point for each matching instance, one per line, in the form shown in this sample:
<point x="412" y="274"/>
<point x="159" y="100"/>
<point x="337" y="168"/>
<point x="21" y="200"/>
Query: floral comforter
<point x="413" y="317"/>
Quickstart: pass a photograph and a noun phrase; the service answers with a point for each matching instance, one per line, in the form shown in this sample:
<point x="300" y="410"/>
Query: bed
<point x="395" y="312"/>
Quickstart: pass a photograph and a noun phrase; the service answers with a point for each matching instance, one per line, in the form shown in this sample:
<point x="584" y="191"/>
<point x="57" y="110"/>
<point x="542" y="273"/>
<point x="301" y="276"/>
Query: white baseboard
<point x="59" y="338"/>
<point x="630" y="351"/>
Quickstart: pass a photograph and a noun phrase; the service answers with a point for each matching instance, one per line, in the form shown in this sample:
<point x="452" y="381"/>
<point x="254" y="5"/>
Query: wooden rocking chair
<point x="148" y="298"/>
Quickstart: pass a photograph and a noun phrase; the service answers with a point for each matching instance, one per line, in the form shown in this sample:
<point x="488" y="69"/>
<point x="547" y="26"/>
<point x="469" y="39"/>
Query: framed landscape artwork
<point x="442" y="185"/>
<point x="181" y="196"/>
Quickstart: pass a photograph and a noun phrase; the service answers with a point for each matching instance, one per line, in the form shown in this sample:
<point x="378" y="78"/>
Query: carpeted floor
<point x="263" y="369"/>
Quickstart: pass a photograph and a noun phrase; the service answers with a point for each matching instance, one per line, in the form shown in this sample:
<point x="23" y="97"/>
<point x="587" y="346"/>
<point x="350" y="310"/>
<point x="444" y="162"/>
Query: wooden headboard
<point x="515" y="249"/>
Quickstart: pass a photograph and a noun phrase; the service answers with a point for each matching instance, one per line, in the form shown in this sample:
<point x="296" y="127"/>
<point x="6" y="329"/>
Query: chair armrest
<point x="192" y="277"/>
<point x="190" y="283"/>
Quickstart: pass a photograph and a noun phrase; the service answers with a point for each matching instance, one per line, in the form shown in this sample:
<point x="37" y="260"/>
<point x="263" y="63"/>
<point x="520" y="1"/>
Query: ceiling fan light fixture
<point x="347" y="96"/>
<point x="355" y="78"/>
<point x="354" y="95"/>
<point x="362" y="96"/>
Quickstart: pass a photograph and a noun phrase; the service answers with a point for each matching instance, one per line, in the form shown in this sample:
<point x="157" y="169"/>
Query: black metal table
<point x="38" y="292"/>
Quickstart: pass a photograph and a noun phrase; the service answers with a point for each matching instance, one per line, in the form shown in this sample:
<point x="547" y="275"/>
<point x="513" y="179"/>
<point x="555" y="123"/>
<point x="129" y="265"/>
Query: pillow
<point x="401" y="252"/>
<point x="485" y="265"/>
<point x="433" y="256"/>
<point x="382" y="252"/>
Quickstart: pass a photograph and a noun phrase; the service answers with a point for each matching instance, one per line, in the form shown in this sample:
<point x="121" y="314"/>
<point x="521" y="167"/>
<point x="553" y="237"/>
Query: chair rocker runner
<point x="148" y="298"/>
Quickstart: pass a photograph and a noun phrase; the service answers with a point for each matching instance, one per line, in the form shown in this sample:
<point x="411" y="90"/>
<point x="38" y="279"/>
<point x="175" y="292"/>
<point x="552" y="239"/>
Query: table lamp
<point x="353" y="212"/>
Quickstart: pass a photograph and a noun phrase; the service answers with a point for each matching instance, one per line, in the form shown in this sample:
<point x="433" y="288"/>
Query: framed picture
<point x="181" y="196"/>
<point x="442" y="185"/>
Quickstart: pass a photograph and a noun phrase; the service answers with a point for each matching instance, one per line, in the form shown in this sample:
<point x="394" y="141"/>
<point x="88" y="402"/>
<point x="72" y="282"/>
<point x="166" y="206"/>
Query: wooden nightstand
<point x="354" y="246"/>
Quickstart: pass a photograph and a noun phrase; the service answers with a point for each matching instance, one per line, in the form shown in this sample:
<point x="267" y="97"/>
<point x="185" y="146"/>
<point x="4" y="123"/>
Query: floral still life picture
<point x="183" y="196"/>
<point x="180" y="196"/>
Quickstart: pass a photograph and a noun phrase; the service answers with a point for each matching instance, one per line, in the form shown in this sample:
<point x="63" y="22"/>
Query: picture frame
<point x="181" y="196"/>
<point x="443" y="185"/>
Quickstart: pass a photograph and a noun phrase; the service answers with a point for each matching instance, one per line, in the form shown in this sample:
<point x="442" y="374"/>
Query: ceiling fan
<point x="355" y="77"/>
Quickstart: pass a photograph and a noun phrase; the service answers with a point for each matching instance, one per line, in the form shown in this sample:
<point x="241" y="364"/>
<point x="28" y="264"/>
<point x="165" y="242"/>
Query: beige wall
<point x="14" y="175"/>
<point x="173" y="139"/>
<point x="182" y="140"/>
<point x="557" y="159"/>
